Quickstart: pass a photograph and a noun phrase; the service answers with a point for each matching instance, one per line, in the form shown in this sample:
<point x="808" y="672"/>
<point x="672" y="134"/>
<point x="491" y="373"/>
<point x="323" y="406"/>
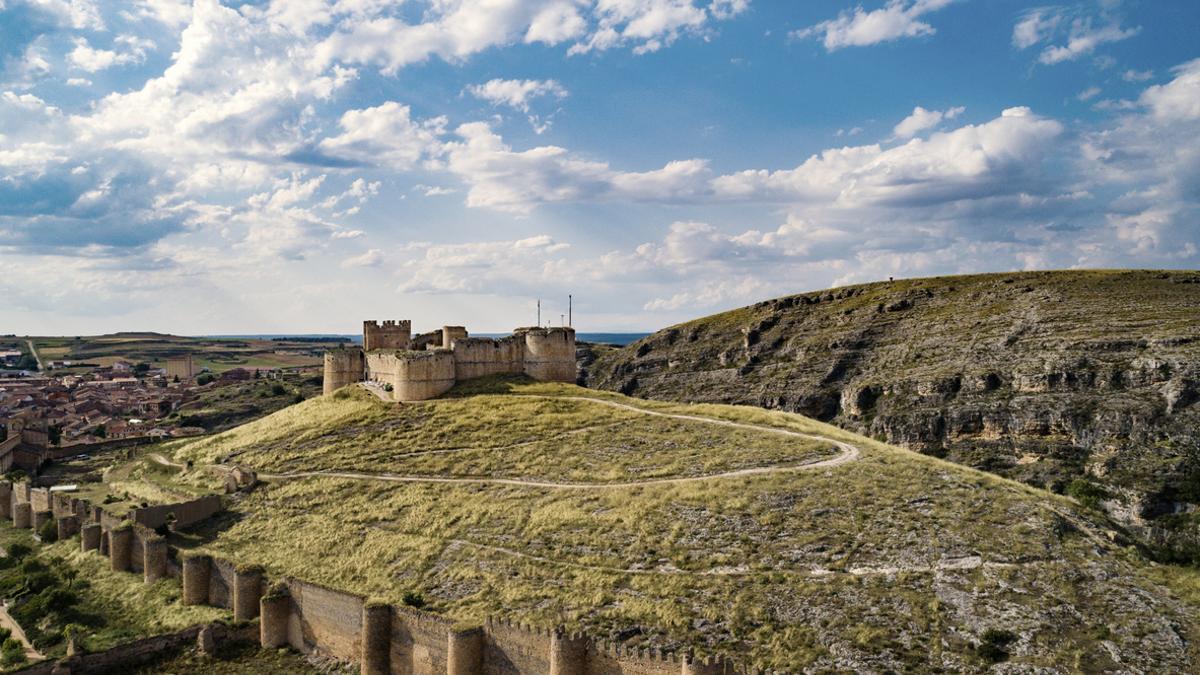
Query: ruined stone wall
<point x="6" y="451"/>
<point x="343" y="367"/>
<point x="480" y="357"/>
<point x="39" y="498"/>
<point x="414" y="376"/>
<point x="549" y="353"/>
<point x="186" y="513"/>
<point x="452" y="333"/>
<point x="391" y="335"/>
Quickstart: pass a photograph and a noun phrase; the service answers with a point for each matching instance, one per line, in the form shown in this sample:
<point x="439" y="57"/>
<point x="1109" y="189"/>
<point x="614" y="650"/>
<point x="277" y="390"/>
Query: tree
<point x="54" y="433"/>
<point x="100" y="432"/>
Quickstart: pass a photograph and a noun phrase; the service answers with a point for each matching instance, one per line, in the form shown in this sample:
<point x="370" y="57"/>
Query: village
<point x="48" y="415"/>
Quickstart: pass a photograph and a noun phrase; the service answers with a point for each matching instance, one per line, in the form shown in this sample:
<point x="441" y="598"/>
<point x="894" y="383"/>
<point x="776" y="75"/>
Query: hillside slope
<point x="1046" y="377"/>
<point x="783" y="542"/>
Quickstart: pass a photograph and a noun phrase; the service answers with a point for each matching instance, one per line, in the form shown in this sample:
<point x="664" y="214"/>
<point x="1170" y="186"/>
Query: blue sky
<point x="299" y="166"/>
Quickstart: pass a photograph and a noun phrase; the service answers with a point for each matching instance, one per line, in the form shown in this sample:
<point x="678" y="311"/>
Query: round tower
<point x="343" y="367"/>
<point x="550" y="354"/>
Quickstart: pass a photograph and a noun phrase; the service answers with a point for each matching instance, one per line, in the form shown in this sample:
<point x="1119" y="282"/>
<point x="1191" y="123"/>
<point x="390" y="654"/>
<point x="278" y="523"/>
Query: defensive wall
<point x="382" y="638"/>
<point x="431" y="363"/>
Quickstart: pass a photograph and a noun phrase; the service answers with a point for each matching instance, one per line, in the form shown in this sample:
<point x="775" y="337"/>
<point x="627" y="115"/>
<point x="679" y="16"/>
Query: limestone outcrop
<point x="1051" y="378"/>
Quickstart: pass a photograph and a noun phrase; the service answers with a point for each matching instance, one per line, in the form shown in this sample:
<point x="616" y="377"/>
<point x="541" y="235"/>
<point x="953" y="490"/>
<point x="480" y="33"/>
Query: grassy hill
<point x="780" y="540"/>
<point x="1082" y="381"/>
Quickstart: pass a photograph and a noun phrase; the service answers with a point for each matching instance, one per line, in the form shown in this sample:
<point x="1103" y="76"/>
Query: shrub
<point x="19" y="551"/>
<point x="48" y="531"/>
<point x="993" y="645"/>
<point x="413" y="599"/>
<point x="278" y="390"/>
<point x="12" y="652"/>
<point x="1086" y="493"/>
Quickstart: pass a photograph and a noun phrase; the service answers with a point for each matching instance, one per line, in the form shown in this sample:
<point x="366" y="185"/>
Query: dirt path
<point x="849" y="453"/>
<point x="36" y="356"/>
<point x="8" y="622"/>
<point x="944" y="565"/>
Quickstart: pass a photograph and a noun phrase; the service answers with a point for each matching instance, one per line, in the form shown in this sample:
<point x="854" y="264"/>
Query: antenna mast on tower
<point x="539" y="320"/>
<point x="570" y="308"/>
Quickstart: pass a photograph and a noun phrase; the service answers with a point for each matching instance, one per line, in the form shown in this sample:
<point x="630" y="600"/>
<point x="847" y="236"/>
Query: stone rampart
<point x="480" y="357"/>
<point x="414" y="376"/>
<point x="185" y="513"/>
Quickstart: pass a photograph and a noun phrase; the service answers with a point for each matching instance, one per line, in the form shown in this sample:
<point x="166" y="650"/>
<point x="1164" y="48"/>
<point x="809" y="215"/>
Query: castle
<point x="427" y="365"/>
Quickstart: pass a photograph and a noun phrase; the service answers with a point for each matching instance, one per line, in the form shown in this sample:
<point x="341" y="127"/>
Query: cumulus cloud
<point x="516" y="93"/>
<point x="130" y="49"/>
<point x="457" y="29"/>
<point x="384" y="135"/>
<point x="860" y="28"/>
<point x="922" y="119"/>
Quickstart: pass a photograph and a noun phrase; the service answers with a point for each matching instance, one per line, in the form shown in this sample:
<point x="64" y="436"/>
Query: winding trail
<point x="849" y="453"/>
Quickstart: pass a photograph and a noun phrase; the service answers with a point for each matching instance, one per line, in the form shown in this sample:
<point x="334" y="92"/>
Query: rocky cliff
<point x="1084" y="382"/>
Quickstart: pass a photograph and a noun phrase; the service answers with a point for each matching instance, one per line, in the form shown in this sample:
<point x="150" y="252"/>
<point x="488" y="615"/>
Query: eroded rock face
<point x="1043" y="377"/>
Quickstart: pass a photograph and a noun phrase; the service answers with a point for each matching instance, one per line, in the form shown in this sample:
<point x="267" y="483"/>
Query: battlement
<point x="428" y="365"/>
<point x="393" y="334"/>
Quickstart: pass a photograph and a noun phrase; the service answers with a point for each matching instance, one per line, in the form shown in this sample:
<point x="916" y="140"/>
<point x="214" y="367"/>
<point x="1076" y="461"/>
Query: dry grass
<point x="780" y="569"/>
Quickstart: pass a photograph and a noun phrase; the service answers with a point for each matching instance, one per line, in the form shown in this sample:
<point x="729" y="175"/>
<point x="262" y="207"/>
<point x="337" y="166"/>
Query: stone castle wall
<point x="383" y="638"/>
<point x="480" y="357"/>
<point x="431" y="363"/>
<point x="414" y="376"/>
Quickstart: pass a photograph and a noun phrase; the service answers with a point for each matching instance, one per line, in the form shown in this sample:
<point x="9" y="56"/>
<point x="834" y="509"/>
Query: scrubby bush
<point x="993" y="645"/>
<point x="413" y="599"/>
<point x="48" y="531"/>
<point x="1086" y="493"/>
<point x="12" y="652"/>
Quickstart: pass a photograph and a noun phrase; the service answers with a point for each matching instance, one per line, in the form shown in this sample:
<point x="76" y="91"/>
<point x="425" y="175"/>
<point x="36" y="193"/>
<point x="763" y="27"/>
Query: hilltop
<point x="1081" y="382"/>
<point x="778" y="540"/>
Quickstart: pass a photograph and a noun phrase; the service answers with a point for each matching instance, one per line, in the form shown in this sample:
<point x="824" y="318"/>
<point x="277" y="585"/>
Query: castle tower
<point x="391" y="335"/>
<point x="343" y="367"/>
<point x="549" y="353"/>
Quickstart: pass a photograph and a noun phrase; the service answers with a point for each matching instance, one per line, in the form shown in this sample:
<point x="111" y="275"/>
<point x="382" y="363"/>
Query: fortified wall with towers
<point x="427" y="365"/>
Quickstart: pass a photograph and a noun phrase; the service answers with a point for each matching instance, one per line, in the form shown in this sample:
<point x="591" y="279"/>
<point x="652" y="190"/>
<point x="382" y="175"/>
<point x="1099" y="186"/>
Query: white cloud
<point x="922" y="119"/>
<point x="859" y="28"/>
<point x="384" y="135"/>
<point x="516" y="93"/>
<point x="78" y="82"/>
<point x="1137" y="75"/>
<point x="372" y="258"/>
<point x="454" y="30"/>
<point x="1179" y="99"/>
<point x="132" y="50"/>
<point x="517" y="266"/>
<point x="1088" y="94"/>
<point x="77" y="14"/>
<point x="1084" y="39"/>
<point x="1034" y="27"/>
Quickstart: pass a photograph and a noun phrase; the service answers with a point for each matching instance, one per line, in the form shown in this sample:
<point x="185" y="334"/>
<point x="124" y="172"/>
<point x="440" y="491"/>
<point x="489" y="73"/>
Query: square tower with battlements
<point x="391" y="335"/>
